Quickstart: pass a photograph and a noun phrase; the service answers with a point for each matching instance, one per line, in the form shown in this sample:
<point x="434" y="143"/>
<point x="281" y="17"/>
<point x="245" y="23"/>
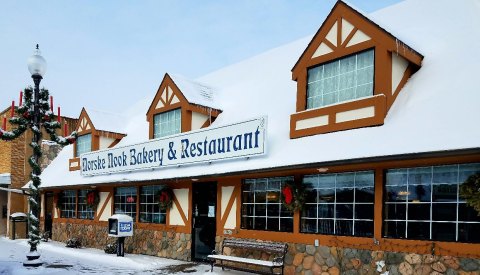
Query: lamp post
<point x="35" y="113"/>
<point x="37" y="67"/>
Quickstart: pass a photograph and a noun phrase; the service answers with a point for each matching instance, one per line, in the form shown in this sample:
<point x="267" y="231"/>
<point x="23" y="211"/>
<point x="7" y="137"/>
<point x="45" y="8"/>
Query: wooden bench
<point x="275" y="249"/>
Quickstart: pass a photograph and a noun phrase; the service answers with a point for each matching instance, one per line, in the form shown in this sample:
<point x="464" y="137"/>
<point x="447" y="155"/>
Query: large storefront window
<point x="424" y="204"/>
<point x="84" y="212"/>
<point x="166" y="124"/>
<point x="126" y="201"/>
<point x="68" y="204"/>
<point x="339" y="204"/>
<point x="149" y="209"/>
<point x="262" y="208"/>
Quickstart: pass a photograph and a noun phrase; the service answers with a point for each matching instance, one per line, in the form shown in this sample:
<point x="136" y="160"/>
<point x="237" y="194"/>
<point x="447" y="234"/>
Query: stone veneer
<point x="324" y="260"/>
<point x="166" y="244"/>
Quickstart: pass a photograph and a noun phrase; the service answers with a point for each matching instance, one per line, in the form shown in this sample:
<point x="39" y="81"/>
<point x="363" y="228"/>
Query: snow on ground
<point x="59" y="259"/>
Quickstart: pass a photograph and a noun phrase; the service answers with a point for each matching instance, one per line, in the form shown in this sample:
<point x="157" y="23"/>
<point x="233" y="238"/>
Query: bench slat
<point x="243" y="260"/>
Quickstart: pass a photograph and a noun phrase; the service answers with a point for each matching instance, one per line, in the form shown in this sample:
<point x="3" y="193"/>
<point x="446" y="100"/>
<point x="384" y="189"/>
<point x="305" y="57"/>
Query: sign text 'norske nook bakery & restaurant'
<point x="243" y="139"/>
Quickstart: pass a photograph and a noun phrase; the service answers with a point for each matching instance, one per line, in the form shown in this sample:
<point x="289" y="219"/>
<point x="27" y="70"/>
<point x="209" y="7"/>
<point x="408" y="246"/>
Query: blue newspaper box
<point x="120" y="225"/>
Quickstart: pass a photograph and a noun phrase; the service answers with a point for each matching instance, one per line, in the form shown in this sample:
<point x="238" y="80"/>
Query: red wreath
<point x="92" y="199"/>
<point x="165" y="198"/>
<point x="293" y="196"/>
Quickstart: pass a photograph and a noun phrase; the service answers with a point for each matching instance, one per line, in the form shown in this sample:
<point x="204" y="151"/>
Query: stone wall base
<point x="324" y="260"/>
<point x="149" y="242"/>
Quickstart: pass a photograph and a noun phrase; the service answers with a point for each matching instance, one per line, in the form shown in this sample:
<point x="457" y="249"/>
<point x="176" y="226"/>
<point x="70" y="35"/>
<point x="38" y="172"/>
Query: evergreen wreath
<point x="293" y="196"/>
<point x="92" y="199"/>
<point x="165" y="198"/>
<point x="470" y="191"/>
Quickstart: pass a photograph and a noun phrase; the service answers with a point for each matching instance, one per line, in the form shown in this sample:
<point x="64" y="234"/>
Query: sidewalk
<point x="61" y="260"/>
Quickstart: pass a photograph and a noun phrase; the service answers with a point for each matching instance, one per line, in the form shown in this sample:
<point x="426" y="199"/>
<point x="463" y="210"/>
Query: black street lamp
<point x="35" y="113"/>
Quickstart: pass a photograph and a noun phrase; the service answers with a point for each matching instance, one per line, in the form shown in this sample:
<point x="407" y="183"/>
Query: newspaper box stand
<point x="120" y="226"/>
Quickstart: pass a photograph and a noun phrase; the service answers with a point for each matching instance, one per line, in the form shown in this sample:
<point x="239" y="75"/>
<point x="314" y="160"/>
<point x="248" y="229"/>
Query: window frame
<point x="335" y="202"/>
<point x="281" y="209"/>
<point x="117" y="201"/>
<point x="338" y="75"/>
<point x="431" y="203"/>
<point x="77" y="154"/>
<point x="66" y="211"/>
<point x="83" y="208"/>
<point x="162" y="214"/>
<point x="156" y="125"/>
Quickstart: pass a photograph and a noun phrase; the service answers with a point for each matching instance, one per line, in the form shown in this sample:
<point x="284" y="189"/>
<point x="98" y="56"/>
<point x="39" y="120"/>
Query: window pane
<point x="167" y="123"/>
<point x="83" y="144"/>
<point x="340" y="80"/>
<point x="418" y="230"/>
<point x="443" y="231"/>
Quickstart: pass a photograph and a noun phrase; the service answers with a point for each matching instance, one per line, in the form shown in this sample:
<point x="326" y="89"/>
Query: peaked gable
<point x="346" y="31"/>
<point x="168" y="96"/>
<point x="85" y="124"/>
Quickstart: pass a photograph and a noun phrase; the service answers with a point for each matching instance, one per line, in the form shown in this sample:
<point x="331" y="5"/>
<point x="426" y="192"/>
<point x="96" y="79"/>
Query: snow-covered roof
<point x="5" y="178"/>
<point x="435" y="111"/>
<point x="196" y="92"/>
<point x="107" y="121"/>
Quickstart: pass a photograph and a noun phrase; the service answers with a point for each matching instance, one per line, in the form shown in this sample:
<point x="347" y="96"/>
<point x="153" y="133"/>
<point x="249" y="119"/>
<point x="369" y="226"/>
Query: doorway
<point x="204" y="207"/>
<point x="48" y="212"/>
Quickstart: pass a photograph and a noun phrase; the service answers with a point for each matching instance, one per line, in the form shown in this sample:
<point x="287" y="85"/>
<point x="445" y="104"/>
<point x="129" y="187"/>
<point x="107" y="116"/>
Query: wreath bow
<point x="165" y="198"/>
<point x="293" y="196"/>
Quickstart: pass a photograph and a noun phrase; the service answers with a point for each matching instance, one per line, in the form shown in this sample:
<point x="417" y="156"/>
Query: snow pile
<point x="58" y="259"/>
<point x="107" y="121"/>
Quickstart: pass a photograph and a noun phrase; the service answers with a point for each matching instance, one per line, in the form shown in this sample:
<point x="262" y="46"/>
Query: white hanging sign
<point x="239" y="140"/>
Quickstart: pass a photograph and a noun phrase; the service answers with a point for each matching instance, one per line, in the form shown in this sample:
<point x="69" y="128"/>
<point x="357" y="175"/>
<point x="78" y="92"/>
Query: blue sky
<point x="109" y="54"/>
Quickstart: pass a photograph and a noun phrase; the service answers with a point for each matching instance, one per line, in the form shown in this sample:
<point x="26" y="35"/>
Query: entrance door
<point x="204" y="219"/>
<point x="48" y="212"/>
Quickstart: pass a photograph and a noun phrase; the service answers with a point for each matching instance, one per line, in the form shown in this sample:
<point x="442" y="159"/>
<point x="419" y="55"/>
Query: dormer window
<point x="341" y="80"/>
<point x="167" y="123"/>
<point x="83" y="144"/>
<point x="349" y="75"/>
<point x="96" y="130"/>
<point x="181" y="105"/>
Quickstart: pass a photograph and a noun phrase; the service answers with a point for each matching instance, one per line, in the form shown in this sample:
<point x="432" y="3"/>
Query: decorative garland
<point x="92" y="199"/>
<point x="165" y="198"/>
<point x="293" y="196"/>
<point x="470" y="191"/>
<point x="20" y="123"/>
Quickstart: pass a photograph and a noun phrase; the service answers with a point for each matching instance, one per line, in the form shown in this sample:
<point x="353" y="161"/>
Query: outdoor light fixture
<point x="37" y="64"/>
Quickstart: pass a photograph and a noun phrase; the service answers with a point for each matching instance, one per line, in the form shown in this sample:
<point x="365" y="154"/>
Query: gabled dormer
<point x="96" y="130"/>
<point x="181" y="105"/>
<point x="349" y="75"/>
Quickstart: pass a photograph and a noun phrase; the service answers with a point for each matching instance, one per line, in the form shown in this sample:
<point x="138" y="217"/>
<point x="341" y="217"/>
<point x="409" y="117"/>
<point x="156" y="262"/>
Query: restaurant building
<point x="372" y="119"/>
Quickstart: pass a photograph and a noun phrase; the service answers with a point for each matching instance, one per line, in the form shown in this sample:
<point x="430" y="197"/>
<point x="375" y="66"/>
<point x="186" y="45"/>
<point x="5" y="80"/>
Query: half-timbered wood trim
<point x="102" y="209"/>
<point x="377" y="102"/>
<point x="180" y="210"/>
<point x="231" y="200"/>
